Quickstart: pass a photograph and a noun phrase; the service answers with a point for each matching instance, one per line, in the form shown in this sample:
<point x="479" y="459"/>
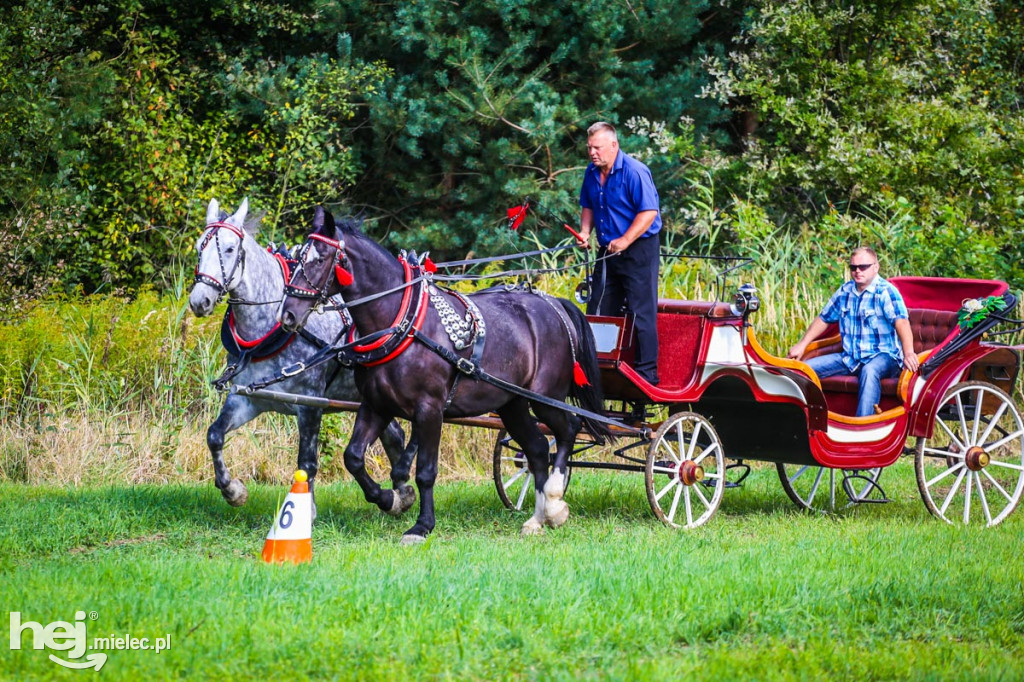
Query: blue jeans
<point x="870" y="376"/>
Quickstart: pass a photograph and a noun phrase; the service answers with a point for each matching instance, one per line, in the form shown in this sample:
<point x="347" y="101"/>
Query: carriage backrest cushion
<point x="945" y="293"/>
<point x="930" y="327"/>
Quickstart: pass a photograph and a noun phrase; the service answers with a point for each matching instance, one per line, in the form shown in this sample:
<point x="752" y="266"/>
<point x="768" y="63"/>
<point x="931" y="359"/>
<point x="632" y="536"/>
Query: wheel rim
<point x="685" y="471"/>
<point x="971" y="471"/>
<point x="820" y="489"/>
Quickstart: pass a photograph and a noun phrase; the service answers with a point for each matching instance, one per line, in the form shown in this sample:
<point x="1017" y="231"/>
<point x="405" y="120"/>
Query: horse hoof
<point x="235" y="493"/>
<point x="396" y="508"/>
<point x="556" y="512"/>
<point x="407" y="496"/>
<point x="412" y="539"/>
<point x="531" y="527"/>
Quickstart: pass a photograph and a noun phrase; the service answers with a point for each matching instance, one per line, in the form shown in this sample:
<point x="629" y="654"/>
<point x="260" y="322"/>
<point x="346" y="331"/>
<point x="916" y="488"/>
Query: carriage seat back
<point x="702" y="308"/>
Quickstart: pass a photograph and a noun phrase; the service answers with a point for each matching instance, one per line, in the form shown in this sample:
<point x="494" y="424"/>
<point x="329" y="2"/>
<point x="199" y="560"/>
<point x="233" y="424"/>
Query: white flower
<point x="973" y="305"/>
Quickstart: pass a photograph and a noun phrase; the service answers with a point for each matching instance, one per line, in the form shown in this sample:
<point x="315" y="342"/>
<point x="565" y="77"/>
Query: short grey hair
<point x="865" y="249"/>
<point x="602" y="127"/>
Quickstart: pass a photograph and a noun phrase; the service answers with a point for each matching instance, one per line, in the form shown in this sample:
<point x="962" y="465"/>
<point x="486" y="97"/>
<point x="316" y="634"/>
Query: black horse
<point x="418" y="353"/>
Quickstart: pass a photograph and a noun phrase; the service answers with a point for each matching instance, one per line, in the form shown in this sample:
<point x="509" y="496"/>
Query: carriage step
<point x="738" y="483"/>
<point x="865" y="496"/>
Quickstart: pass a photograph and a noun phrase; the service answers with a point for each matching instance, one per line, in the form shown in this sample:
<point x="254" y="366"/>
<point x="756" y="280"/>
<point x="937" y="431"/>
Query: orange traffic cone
<point x="291" y="538"/>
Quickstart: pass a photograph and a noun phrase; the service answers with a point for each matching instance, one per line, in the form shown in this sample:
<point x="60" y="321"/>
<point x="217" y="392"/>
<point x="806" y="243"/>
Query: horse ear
<point x="329" y="221"/>
<point x="318" y="219"/>
<point x="212" y="212"/>
<point x="238" y="219"/>
<point x="252" y="225"/>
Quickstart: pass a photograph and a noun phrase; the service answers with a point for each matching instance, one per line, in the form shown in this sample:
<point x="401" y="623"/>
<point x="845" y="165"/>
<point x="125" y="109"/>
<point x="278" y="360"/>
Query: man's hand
<point x="583" y="240"/>
<point x="796" y="351"/>
<point x="910" y="361"/>
<point x="618" y="245"/>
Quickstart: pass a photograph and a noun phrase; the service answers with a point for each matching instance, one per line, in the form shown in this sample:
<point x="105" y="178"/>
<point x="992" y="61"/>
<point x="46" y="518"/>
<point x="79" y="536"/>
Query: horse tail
<point x="589" y="396"/>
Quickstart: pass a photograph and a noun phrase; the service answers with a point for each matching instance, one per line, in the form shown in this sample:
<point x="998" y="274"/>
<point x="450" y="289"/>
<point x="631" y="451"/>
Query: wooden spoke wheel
<point x="821" y="489"/>
<point x="512" y="476"/>
<point x="685" y="471"/>
<point x="971" y="470"/>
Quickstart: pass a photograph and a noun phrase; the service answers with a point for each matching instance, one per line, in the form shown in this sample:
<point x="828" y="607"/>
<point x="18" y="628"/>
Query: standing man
<point x="619" y="200"/>
<point x="874" y="327"/>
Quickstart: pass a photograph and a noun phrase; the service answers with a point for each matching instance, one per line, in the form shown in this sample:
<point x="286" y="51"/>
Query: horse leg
<point x="428" y="433"/>
<point x="367" y="429"/>
<point x="565" y="427"/>
<point x="309" y="420"/>
<point x="236" y="411"/>
<point x="400" y="457"/>
<point x="523" y="429"/>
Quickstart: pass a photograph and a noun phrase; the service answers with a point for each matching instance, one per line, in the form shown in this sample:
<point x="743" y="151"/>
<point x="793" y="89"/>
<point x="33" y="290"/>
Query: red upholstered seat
<point x="930" y="328"/>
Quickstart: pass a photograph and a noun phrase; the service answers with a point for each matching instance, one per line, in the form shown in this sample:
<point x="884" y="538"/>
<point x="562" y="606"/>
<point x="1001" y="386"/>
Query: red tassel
<point x="428" y="265"/>
<point x="343" y="275"/>
<point x="579" y="376"/>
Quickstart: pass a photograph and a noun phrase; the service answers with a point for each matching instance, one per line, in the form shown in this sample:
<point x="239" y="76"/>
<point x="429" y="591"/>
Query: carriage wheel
<point x="821" y="489"/>
<point x="972" y="468"/>
<point x="685" y="471"/>
<point x="512" y="477"/>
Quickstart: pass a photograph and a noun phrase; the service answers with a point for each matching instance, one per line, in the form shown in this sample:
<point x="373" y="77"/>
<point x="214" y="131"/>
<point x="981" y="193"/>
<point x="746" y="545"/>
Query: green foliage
<point x="131" y="115"/>
<point x="121" y="119"/>
<point x="861" y="109"/>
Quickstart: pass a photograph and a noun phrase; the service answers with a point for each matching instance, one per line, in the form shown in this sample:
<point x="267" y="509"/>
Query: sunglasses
<point x="863" y="267"/>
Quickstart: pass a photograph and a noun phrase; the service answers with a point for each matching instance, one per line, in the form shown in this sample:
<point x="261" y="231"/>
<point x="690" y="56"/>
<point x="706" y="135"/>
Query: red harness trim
<point x="248" y="345"/>
<point x="252" y="344"/>
<point x="403" y="311"/>
<point x="409" y="338"/>
<point x="283" y="262"/>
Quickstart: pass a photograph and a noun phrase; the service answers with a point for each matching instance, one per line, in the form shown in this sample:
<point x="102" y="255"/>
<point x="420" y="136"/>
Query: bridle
<point x="213" y="234"/>
<point x="318" y="293"/>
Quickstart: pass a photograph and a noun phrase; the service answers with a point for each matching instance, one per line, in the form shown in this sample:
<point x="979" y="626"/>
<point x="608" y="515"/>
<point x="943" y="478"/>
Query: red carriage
<point x="722" y="395"/>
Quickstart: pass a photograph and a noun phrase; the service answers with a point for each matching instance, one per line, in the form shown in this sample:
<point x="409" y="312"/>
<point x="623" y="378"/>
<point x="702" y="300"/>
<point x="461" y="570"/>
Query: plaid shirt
<point x="866" y="321"/>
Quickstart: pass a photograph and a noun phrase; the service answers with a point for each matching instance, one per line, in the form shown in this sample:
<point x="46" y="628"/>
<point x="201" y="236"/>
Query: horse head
<point x="221" y="256"/>
<point x="322" y="272"/>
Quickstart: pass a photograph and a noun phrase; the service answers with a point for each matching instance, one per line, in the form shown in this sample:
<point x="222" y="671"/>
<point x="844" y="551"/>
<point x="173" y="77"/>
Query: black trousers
<point x="629" y="281"/>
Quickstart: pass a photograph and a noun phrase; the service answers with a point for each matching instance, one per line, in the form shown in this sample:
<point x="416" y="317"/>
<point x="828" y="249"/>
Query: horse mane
<point x="351" y="226"/>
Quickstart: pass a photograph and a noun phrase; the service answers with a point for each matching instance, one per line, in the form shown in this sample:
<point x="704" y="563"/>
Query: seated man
<point x="876" y="335"/>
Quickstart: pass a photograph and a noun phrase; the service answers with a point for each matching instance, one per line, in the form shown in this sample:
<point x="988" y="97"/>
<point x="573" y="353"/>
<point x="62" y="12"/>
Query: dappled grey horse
<point x="232" y="263"/>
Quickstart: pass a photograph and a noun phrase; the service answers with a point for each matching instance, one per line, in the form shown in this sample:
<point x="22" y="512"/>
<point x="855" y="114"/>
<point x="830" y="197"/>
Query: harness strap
<point x="472" y="369"/>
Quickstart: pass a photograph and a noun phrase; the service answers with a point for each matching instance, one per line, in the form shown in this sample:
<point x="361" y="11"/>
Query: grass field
<point x="761" y="592"/>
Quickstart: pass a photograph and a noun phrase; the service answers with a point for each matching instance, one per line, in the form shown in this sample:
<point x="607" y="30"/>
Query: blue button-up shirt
<point x="628" y="190"/>
<point x="867" y="321"/>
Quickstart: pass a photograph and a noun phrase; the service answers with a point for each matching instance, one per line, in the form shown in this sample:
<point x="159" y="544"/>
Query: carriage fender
<point x="927" y="400"/>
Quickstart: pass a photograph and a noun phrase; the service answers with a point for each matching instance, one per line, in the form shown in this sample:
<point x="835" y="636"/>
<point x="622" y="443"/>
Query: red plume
<point x="578" y="375"/>
<point x="516" y="214"/>
<point x="428" y="265"/>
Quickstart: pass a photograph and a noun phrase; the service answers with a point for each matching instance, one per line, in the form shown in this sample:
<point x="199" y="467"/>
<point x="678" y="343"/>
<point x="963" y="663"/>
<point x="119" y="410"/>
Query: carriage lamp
<point x="583" y="291"/>
<point x="746" y="301"/>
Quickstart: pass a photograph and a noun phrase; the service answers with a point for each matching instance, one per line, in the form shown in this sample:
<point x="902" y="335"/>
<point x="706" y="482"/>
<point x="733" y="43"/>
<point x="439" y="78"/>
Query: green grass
<point x="761" y="592"/>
